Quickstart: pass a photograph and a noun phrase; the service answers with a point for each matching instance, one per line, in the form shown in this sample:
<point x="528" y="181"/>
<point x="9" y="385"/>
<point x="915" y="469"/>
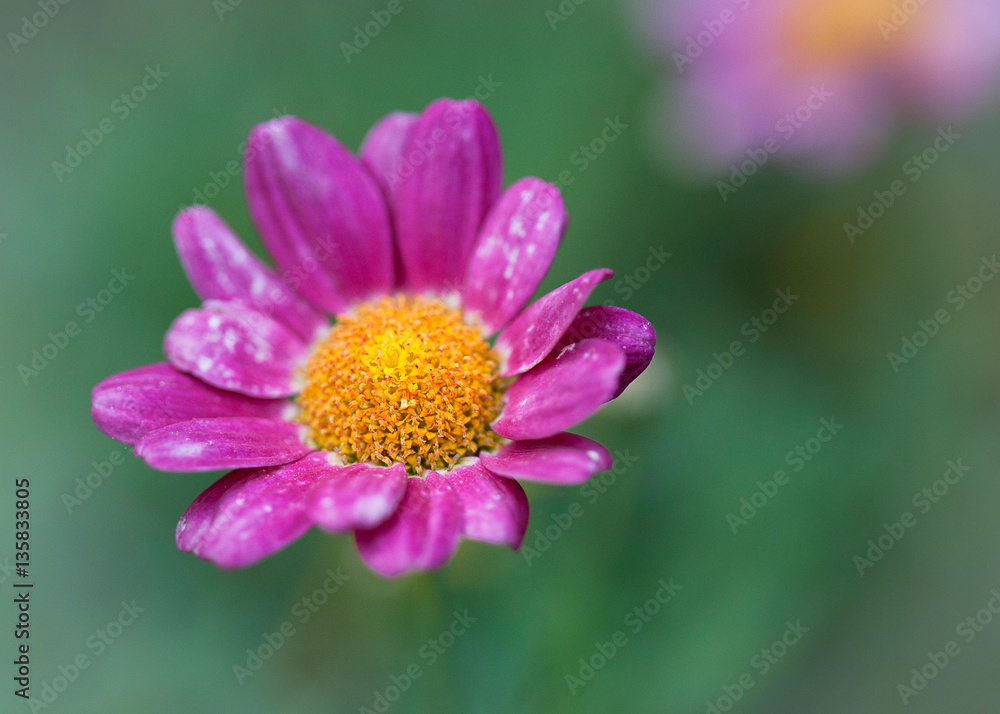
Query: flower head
<point x="819" y="82"/>
<point x="387" y="379"/>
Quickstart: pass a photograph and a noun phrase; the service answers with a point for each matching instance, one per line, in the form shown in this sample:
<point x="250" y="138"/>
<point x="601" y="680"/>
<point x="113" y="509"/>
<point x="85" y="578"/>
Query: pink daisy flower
<point x="400" y="421"/>
<point x="818" y="82"/>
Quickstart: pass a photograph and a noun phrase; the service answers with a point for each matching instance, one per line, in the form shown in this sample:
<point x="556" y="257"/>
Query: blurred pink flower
<point x="817" y="82"/>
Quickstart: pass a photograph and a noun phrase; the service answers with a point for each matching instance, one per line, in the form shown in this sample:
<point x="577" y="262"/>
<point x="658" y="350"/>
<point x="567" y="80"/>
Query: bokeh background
<point x="684" y="463"/>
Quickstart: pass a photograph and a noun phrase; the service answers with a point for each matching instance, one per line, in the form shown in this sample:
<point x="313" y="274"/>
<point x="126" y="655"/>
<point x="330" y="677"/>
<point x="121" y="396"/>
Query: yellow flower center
<point x="403" y="380"/>
<point x="831" y="32"/>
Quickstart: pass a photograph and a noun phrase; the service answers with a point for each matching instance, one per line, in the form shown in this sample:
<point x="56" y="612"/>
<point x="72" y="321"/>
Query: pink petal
<point x="382" y="148"/>
<point x="496" y="509"/>
<point x="236" y="348"/>
<point x="249" y="514"/>
<point x="320" y="213"/>
<point x="220" y="267"/>
<point x="422" y="534"/>
<point x="531" y="336"/>
<point x="514" y="251"/>
<point x="562" y="391"/>
<point x="357" y="496"/>
<point x="630" y="331"/>
<point x="565" y="459"/>
<point x="222" y="443"/>
<point x="451" y="175"/>
<point x="129" y="405"/>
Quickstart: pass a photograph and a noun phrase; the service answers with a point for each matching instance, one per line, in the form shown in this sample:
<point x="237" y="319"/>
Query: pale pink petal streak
<point x="514" y="251"/>
<point x="129" y="405"/>
<point x="222" y="443"/>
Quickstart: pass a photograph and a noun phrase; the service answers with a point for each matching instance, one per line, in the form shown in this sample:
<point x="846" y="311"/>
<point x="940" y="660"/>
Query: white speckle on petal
<point x="282" y="141"/>
<point x="258" y="285"/>
<point x="508" y="272"/>
<point x="566" y="349"/>
<point x="333" y="459"/>
<point x="369" y="508"/>
<point x="188" y="449"/>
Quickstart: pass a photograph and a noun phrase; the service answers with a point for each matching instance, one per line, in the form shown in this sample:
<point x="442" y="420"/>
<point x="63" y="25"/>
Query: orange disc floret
<point x="403" y="380"/>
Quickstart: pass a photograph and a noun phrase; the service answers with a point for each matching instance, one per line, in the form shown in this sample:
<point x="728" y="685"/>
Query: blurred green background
<point x="228" y="67"/>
